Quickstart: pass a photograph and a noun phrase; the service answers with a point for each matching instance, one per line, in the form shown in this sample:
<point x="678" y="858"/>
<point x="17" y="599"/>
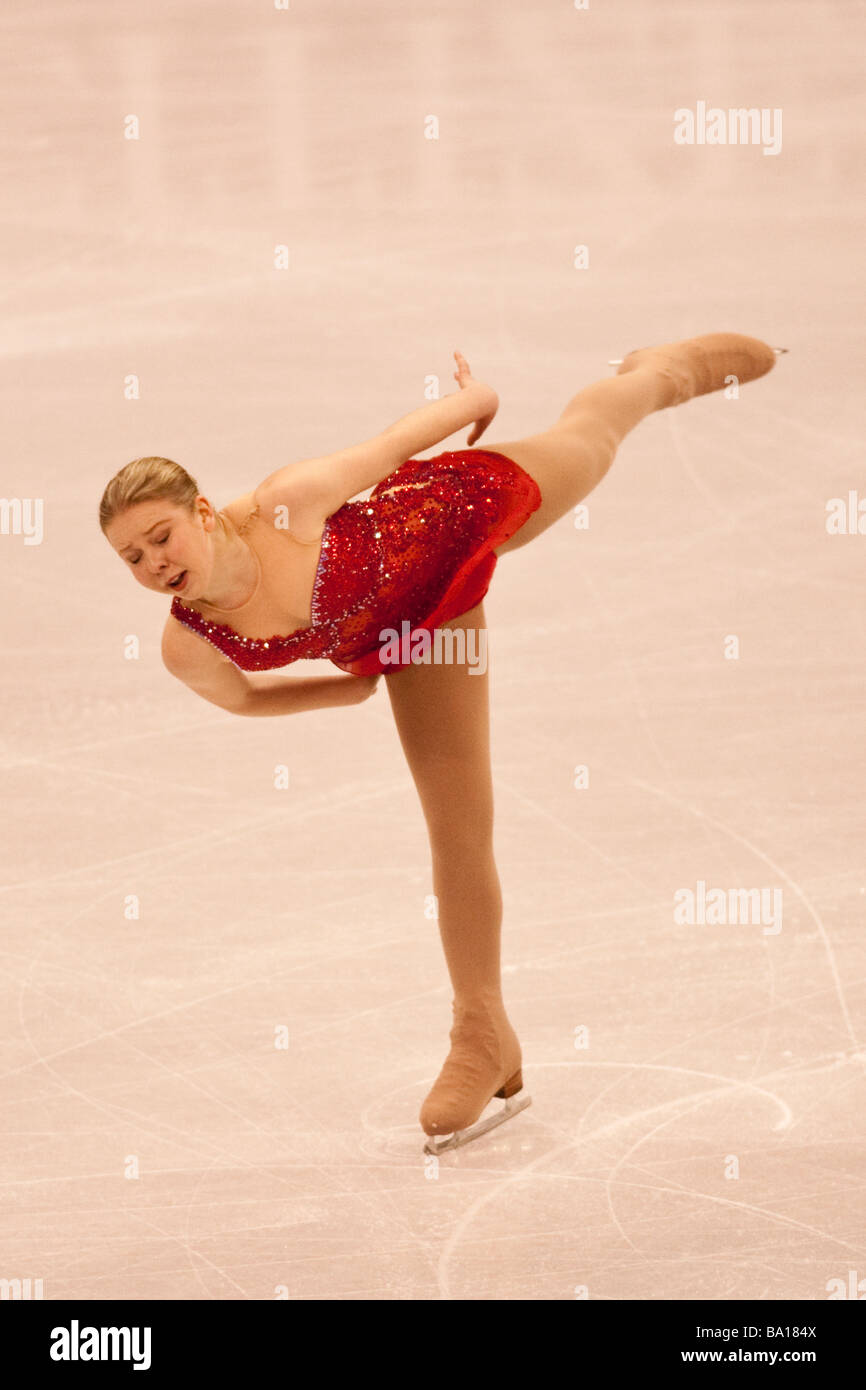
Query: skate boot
<point x="484" y="1062"/>
<point x="696" y="366"/>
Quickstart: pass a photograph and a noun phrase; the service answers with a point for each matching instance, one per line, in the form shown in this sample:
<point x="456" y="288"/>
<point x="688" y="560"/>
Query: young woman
<point x="295" y="569"/>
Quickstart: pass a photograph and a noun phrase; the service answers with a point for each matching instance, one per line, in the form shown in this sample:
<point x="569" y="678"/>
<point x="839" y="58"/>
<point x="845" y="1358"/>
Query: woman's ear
<point x="206" y="513"/>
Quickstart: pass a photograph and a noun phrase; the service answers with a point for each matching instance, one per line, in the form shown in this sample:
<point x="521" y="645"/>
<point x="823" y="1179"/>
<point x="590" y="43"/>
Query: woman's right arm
<point x="276" y="694"/>
<point x="216" y="679"/>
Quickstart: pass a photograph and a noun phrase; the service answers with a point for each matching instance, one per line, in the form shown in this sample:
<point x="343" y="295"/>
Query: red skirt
<point x="438" y="522"/>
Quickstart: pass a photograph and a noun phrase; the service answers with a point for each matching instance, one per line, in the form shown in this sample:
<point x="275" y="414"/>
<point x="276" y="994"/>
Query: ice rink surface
<point x="697" y="1128"/>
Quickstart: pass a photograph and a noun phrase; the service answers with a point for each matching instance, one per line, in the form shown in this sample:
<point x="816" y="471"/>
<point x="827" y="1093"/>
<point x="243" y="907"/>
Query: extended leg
<point x="569" y="459"/>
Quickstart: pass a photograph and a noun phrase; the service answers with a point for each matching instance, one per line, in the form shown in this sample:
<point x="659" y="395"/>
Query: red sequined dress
<point x="418" y="551"/>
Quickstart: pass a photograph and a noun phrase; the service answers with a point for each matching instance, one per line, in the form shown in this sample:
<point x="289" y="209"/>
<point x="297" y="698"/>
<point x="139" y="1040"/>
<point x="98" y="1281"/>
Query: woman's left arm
<point x="474" y="404"/>
<point x="314" y="489"/>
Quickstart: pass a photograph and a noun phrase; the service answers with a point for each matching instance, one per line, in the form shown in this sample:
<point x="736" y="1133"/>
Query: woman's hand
<point x="363" y="687"/>
<point x="464" y="379"/>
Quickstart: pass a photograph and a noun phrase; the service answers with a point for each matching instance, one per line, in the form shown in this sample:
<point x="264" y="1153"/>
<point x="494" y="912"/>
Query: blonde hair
<point x="147" y="480"/>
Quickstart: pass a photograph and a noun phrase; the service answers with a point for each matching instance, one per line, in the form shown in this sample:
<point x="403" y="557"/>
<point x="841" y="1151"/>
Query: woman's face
<point x="160" y="542"/>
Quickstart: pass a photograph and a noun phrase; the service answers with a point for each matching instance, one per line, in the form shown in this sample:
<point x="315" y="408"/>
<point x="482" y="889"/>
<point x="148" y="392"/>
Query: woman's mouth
<point x="180" y="582"/>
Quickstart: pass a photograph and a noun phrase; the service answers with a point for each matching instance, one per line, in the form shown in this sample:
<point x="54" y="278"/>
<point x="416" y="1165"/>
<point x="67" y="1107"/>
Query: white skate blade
<point x="512" y="1107"/>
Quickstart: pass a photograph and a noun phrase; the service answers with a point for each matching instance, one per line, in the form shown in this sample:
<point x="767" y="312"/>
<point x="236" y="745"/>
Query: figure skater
<point x="294" y="569"/>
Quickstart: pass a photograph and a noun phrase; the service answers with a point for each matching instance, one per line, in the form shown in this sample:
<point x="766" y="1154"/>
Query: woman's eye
<point x="162" y="540"/>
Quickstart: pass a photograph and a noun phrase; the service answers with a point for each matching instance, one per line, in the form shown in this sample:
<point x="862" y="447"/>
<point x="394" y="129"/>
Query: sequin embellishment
<point x="418" y="549"/>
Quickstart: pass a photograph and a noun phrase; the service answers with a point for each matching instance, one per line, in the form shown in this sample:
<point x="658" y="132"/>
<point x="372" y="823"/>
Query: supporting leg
<point x="442" y="714"/>
<point x="442" y="717"/>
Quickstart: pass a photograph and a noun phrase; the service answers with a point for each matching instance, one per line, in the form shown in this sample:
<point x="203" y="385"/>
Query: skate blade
<point x="512" y="1107"/>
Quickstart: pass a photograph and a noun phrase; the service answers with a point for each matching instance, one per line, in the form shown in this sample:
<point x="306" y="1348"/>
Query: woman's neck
<point x="236" y="573"/>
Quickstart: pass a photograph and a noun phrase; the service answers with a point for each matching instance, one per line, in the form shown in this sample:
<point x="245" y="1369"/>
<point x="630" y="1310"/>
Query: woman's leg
<point x="442" y="713"/>
<point x="569" y="459"/>
<point x="442" y="717"/>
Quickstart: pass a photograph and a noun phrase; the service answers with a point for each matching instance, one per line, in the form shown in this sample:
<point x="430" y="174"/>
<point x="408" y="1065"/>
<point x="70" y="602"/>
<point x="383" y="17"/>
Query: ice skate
<point x="696" y="366"/>
<point x="484" y="1064"/>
